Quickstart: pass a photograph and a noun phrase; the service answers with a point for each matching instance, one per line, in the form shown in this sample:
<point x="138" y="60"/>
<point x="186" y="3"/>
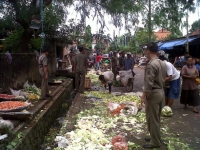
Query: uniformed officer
<point x="43" y="70"/>
<point x="153" y="95"/>
<point x="80" y="68"/>
<point x="114" y="62"/>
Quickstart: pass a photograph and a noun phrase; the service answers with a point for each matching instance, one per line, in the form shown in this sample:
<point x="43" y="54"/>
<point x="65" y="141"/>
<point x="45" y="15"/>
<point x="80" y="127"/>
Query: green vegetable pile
<point x="32" y="89"/>
<point x="94" y="78"/>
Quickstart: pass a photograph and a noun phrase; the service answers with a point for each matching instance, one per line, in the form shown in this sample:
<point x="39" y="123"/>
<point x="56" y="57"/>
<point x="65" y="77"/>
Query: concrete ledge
<point x="30" y="135"/>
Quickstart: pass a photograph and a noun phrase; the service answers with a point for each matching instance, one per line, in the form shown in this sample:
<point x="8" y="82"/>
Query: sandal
<point x="195" y="111"/>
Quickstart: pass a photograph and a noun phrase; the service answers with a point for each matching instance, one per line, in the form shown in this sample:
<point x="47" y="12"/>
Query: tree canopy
<point x="195" y="25"/>
<point x="128" y="13"/>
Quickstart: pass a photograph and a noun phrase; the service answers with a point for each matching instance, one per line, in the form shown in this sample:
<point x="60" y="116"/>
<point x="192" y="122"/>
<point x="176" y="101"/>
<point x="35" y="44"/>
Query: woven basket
<point x="87" y="83"/>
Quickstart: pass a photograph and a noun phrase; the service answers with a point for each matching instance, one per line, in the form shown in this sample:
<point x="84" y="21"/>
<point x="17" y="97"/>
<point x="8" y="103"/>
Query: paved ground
<point x="184" y="122"/>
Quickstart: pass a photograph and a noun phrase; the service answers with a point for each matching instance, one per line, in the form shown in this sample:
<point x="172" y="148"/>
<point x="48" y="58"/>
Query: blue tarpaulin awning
<point x="169" y="45"/>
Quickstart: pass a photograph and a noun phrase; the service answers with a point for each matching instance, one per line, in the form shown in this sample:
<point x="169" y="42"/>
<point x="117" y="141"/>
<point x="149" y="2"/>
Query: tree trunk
<point x="25" y="40"/>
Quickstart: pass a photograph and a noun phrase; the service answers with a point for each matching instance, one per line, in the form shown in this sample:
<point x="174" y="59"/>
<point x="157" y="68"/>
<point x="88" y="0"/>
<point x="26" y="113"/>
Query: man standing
<point x="129" y="63"/>
<point x="80" y="68"/>
<point x="121" y="60"/>
<point x="106" y="79"/>
<point x="173" y="77"/>
<point x="153" y="94"/>
<point x="114" y="61"/>
<point x="43" y="70"/>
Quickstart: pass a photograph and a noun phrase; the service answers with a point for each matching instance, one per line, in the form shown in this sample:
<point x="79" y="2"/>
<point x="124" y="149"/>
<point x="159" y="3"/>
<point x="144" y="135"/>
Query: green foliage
<point x="87" y="39"/>
<point x="100" y="47"/>
<point x="36" y="43"/>
<point x="18" y="139"/>
<point x="140" y="38"/>
<point x="174" y="34"/>
<point x="11" y="43"/>
<point x="195" y="25"/>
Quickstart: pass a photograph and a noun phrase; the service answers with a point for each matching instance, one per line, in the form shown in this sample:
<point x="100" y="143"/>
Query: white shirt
<point x="172" y="71"/>
<point x="108" y="76"/>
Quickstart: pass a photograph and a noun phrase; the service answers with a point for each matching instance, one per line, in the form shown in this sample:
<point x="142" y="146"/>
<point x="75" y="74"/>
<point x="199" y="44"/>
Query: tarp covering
<point x="169" y="45"/>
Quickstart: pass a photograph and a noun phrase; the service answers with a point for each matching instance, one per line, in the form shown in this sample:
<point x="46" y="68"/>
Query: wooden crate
<point x="87" y="83"/>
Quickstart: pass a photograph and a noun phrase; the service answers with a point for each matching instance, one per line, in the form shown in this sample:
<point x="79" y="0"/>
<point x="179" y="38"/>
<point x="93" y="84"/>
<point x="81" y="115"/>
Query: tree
<point x="22" y="12"/>
<point x="174" y="34"/>
<point x="100" y="46"/>
<point x="87" y="38"/>
<point x="140" y="38"/>
<point x="195" y="25"/>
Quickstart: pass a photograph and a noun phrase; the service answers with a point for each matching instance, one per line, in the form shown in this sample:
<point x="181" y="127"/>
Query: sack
<point x="26" y="85"/>
<point x="197" y="80"/>
<point x="15" y="92"/>
<point x="124" y="76"/>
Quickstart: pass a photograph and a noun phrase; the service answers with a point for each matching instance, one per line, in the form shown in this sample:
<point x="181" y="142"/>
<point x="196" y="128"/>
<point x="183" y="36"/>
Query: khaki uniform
<point x="43" y="61"/>
<point x="121" y="62"/>
<point x="81" y="63"/>
<point x="154" y="80"/>
<point x="114" y="66"/>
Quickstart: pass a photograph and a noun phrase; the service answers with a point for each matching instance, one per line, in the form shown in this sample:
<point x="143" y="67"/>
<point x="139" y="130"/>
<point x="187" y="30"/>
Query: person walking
<point x="129" y="63"/>
<point x="98" y="59"/>
<point x="114" y="61"/>
<point x="173" y="77"/>
<point x="153" y="95"/>
<point x="43" y="70"/>
<point x="190" y="93"/>
<point x="80" y="68"/>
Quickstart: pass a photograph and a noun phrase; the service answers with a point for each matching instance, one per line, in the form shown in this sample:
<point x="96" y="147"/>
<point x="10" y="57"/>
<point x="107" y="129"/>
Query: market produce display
<point x="93" y="125"/>
<point x="12" y="105"/>
<point x="34" y="93"/>
<point x="166" y="111"/>
<point x="5" y="96"/>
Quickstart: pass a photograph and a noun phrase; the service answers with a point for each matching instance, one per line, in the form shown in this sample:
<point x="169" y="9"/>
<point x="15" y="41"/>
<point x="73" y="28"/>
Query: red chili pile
<point x="11" y="105"/>
<point x="6" y="96"/>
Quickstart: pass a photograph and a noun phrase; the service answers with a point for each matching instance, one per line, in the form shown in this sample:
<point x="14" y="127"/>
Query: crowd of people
<point x="163" y="81"/>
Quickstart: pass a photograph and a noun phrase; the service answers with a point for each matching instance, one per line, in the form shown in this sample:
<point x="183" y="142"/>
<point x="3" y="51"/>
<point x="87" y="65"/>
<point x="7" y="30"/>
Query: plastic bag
<point x="119" y="143"/>
<point x="62" y="142"/>
<point x="114" y="108"/>
<point x="15" y="92"/>
<point x="6" y="123"/>
<point x="118" y="78"/>
<point x="26" y="85"/>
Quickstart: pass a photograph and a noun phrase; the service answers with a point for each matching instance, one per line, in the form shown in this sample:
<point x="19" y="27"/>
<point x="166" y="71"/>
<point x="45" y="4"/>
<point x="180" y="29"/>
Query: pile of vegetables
<point x="94" y="78"/>
<point x="117" y="99"/>
<point x="34" y="93"/>
<point x="5" y="96"/>
<point x="8" y="105"/>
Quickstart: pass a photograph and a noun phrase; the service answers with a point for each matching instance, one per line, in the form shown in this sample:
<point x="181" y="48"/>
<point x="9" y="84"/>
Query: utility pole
<point x="187" y="43"/>
<point x="149" y="22"/>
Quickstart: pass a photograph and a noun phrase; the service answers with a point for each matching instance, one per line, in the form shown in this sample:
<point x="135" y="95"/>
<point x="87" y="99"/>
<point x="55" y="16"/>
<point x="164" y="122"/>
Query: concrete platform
<point x="28" y="135"/>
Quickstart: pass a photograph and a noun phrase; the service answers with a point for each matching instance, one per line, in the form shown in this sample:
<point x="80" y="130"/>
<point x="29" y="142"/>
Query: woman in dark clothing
<point x="190" y="93"/>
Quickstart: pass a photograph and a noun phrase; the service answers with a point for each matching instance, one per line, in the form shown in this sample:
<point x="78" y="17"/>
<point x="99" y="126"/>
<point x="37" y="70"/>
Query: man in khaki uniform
<point x="114" y="61"/>
<point x="153" y="95"/>
<point x="43" y="70"/>
<point x="80" y="68"/>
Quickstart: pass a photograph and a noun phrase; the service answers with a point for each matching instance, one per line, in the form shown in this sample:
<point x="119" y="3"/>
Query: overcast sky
<point x="93" y="23"/>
